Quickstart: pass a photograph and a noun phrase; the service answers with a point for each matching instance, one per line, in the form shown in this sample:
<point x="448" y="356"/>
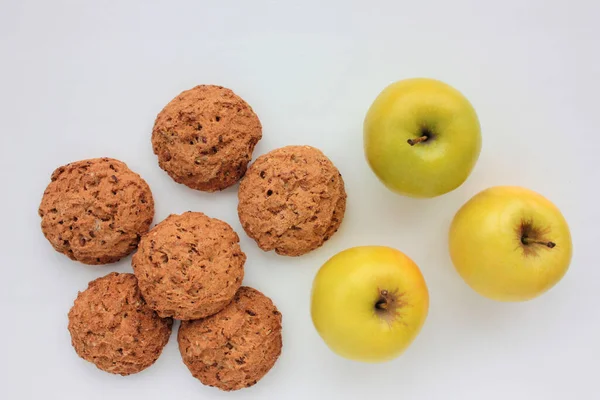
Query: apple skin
<point x="407" y="109"/>
<point x="346" y="291"/>
<point x="486" y="248"/>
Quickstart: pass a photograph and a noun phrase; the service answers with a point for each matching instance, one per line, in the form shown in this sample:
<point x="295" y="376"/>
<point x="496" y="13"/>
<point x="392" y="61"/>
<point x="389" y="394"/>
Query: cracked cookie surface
<point x="112" y="327"/>
<point x="189" y="266"/>
<point x="95" y="211"/>
<point x="205" y="136"/>
<point x="236" y="347"/>
<point x="291" y="200"/>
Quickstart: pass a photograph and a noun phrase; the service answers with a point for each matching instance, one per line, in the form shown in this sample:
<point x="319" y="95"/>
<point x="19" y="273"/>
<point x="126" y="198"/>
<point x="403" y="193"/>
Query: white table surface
<point x="82" y="79"/>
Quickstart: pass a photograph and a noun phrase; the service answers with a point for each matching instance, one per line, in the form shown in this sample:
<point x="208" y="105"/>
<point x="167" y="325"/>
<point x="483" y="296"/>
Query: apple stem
<point x="547" y="244"/>
<point x="412" y="142"/>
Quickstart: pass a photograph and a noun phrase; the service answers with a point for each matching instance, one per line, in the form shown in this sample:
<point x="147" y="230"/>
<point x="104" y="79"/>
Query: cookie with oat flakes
<point x="205" y="136"/>
<point x="189" y="266"/>
<point x="112" y="327"/>
<point x="292" y="200"/>
<point x="95" y="211"/>
<point x="236" y="347"/>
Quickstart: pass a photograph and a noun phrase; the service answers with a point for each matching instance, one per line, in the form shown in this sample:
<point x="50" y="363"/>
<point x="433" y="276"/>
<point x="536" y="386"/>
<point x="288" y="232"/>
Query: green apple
<point x="422" y="137"/>
<point x="510" y="243"/>
<point x="369" y="303"/>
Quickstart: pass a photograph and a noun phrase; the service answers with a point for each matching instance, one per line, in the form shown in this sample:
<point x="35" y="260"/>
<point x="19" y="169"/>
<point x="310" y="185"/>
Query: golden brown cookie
<point x="96" y="210"/>
<point x="292" y="200"/>
<point x="236" y="347"/>
<point x="204" y="137"/>
<point x="189" y="266"/>
<point x="112" y="327"/>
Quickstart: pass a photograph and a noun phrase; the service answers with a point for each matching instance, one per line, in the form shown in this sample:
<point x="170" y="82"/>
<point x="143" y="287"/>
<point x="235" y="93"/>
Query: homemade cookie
<point x="236" y="347"/>
<point x="189" y="266"/>
<point x="204" y="137"/>
<point x="95" y="211"/>
<point x="112" y="327"/>
<point x="292" y="200"/>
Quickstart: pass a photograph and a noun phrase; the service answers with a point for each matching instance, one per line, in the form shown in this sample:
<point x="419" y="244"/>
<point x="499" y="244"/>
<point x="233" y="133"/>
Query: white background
<point x="86" y="79"/>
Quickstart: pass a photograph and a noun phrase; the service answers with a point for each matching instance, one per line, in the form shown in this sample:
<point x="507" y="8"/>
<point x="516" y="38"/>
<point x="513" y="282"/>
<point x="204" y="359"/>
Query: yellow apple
<point x="421" y="137"/>
<point x="510" y="243"/>
<point x="369" y="303"/>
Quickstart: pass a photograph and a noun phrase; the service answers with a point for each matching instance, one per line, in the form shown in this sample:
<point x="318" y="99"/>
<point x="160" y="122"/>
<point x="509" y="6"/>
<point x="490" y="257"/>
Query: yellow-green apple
<point x="369" y="303"/>
<point x="422" y="137"/>
<point x="510" y="243"/>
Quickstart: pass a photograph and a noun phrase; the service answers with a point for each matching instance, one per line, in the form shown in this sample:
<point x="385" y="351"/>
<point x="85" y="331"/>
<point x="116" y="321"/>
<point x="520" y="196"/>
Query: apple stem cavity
<point x="412" y="142"/>
<point x="382" y="303"/>
<point x="388" y="305"/>
<point x="531" y="234"/>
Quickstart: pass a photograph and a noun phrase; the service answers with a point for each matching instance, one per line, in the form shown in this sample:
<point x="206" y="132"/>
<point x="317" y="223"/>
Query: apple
<point x="510" y="243"/>
<point x="368" y="303"/>
<point x="421" y="137"/>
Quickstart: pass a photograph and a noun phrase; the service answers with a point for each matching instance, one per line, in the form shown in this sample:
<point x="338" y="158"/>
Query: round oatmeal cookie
<point x="189" y="266"/>
<point x="292" y="200"/>
<point x="204" y="137"/>
<point x="112" y="327"/>
<point x="236" y="347"/>
<point x="95" y="211"/>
